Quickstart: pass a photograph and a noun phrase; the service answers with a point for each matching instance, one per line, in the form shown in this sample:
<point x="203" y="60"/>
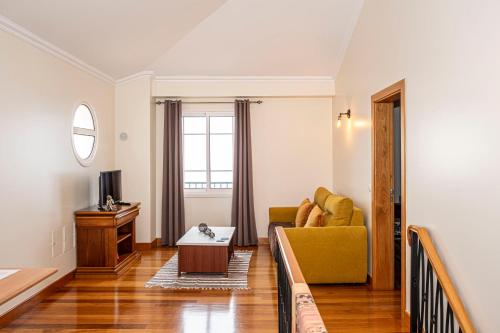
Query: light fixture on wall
<point x="339" y="119"/>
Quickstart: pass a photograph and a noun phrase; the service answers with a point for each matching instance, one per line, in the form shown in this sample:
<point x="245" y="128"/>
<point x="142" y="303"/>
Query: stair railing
<point x="431" y="288"/>
<point x="297" y="312"/>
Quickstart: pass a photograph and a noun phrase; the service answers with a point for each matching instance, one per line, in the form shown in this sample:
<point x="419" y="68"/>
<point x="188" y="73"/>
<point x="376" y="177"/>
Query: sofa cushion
<point x="357" y="217"/>
<point x="315" y="218"/>
<point x="320" y="196"/>
<point x="339" y="211"/>
<point x="303" y="213"/>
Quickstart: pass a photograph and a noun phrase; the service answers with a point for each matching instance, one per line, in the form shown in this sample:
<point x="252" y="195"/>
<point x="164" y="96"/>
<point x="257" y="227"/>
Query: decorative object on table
<point x="203" y="227"/>
<point x="209" y="233"/>
<point x="237" y="278"/>
<point x="110" y="203"/>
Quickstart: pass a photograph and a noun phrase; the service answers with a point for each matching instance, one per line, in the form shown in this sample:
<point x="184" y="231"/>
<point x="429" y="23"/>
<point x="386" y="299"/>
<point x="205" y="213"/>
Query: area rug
<point x="237" y="277"/>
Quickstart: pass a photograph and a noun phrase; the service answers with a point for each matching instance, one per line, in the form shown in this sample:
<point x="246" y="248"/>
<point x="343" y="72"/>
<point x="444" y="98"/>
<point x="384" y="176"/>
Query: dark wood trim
<point x="389" y="94"/>
<point x="369" y="280"/>
<point x="109" y="272"/>
<point x="263" y="241"/>
<point x="31" y="302"/>
<point x="148" y="246"/>
<point x="406" y="318"/>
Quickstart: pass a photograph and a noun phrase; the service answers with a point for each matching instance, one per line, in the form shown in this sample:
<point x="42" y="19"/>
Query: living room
<point x="86" y="86"/>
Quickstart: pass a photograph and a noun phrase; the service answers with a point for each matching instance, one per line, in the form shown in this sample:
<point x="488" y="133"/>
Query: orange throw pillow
<point x="303" y="212"/>
<point x="315" y="218"/>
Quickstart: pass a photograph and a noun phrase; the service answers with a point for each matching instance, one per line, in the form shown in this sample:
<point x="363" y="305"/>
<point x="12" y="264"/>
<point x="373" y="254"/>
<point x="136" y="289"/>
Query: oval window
<point x="84" y="134"/>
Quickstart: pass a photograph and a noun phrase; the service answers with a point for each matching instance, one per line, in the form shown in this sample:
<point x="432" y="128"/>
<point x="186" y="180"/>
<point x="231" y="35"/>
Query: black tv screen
<point x="110" y="183"/>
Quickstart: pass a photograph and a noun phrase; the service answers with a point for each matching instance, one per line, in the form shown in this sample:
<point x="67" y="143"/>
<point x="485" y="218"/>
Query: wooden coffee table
<point x="198" y="253"/>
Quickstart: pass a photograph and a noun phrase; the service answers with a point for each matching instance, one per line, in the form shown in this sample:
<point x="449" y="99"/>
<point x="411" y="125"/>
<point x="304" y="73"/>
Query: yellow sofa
<point x="333" y="253"/>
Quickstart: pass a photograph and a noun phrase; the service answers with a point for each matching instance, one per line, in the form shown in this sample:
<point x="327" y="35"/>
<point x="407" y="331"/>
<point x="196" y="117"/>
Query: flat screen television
<point x="110" y="183"/>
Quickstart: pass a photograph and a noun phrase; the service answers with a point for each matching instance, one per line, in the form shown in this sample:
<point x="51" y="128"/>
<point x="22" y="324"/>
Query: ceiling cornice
<point x="135" y="76"/>
<point x="244" y="78"/>
<point x="40" y="43"/>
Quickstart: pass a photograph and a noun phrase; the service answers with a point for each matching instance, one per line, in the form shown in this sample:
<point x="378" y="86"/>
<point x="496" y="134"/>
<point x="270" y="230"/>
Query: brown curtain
<point x="242" y="214"/>
<point x="172" y="221"/>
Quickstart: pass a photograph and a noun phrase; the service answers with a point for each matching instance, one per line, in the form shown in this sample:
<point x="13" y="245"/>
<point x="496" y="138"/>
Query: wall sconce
<point x="339" y="119"/>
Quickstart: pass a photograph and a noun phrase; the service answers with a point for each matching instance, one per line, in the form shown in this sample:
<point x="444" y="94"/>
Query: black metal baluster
<point x="423" y="302"/>
<point x="284" y="296"/>
<point x="450" y="322"/>
<point x="438" y="310"/>
<point x="430" y="298"/>
<point x="415" y="283"/>
<point x="426" y="302"/>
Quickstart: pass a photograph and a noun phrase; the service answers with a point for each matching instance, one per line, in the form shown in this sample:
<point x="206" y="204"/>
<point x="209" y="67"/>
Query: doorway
<point x="389" y="190"/>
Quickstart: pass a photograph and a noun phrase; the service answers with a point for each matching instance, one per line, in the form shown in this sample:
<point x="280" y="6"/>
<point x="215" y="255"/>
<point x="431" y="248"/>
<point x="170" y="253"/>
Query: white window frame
<point x="85" y="162"/>
<point x="208" y="192"/>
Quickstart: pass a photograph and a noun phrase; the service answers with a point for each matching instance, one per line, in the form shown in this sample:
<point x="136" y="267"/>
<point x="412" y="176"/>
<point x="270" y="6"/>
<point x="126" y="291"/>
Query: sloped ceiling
<point x="265" y="38"/>
<point x="195" y="37"/>
<point x="118" y="37"/>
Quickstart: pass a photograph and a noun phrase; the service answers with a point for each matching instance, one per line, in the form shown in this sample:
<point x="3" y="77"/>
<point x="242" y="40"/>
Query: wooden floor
<point x="125" y="305"/>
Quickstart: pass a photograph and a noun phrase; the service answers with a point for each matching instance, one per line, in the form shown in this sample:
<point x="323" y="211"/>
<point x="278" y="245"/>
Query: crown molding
<point x="40" y="43"/>
<point x="206" y="86"/>
<point x="244" y="78"/>
<point x="135" y="76"/>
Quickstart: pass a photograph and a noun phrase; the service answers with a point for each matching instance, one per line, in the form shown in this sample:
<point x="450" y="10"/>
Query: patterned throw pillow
<point x="315" y="218"/>
<point x="303" y="212"/>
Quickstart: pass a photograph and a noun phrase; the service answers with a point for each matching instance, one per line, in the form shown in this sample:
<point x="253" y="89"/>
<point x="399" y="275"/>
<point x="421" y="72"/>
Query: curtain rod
<point x="209" y="102"/>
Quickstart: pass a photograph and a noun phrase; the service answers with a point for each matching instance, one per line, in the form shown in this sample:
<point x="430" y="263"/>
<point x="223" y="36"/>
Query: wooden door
<point x="383" y="206"/>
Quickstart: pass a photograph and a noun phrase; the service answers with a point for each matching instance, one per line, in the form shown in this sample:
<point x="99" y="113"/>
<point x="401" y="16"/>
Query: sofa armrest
<point x="331" y="254"/>
<point x="282" y="214"/>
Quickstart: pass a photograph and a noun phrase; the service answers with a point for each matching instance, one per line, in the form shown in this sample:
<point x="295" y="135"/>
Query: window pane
<point x="221" y="152"/>
<point x="83" y="145"/>
<point x="195" y="125"/>
<point x="195" y="152"/>
<point x="83" y="118"/>
<point x="221" y="179"/>
<point x="221" y="125"/>
<point x="195" y="179"/>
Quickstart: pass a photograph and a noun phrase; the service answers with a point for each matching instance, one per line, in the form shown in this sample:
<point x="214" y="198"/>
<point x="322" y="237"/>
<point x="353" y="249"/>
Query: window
<point x="208" y="151"/>
<point x="84" y="134"/>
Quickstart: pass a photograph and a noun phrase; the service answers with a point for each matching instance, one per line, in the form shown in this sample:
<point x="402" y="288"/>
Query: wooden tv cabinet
<point x="105" y="241"/>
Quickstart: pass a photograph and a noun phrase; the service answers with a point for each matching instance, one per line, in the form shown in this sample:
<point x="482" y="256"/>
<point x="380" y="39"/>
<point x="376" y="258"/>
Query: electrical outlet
<point x="73" y="227"/>
<point x="53" y="243"/>
<point x="57" y="242"/>
<point x="67" y="237"/>
<point x="64" y="249"/>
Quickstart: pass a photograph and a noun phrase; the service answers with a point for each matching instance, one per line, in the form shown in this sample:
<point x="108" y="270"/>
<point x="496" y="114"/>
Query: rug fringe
<point x="235" y="278"/>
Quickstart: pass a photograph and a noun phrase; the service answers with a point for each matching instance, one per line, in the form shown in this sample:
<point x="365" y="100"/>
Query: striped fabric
<point x="237" y="278"/>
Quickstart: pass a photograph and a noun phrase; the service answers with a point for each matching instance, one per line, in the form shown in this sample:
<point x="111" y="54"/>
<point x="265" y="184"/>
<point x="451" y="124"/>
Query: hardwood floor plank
<point x="92" y="305"/>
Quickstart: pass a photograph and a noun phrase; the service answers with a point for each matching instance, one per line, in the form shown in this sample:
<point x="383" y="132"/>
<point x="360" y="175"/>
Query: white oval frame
<point x="87" y="161"/>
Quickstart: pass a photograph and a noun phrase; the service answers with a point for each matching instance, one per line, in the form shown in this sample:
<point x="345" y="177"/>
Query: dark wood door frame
<point x="382" y="231"/>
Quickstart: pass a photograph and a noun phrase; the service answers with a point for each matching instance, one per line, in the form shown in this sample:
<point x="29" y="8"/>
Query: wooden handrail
<point x="292" y="266"/>
<point x="297" y="311"/>
<point x="443" y="277"/>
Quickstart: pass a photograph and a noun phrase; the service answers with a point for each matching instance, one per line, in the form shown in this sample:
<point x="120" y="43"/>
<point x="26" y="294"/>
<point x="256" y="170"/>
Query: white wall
<point x="42" y="183"/>
<point x="448" y="54"/>
<point x="291" y="142"/>
<point x="135" y="117"/>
